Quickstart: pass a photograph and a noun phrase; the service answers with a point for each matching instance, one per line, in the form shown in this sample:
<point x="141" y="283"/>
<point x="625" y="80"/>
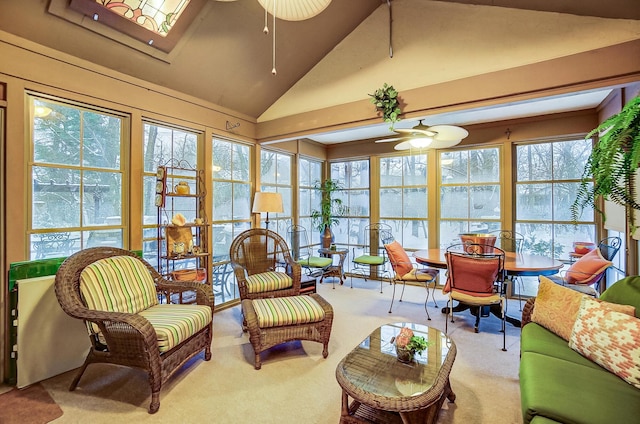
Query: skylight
<point x="157" y="16"/>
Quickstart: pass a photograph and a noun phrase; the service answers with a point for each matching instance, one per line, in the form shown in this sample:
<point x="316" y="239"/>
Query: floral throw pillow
<point x="557" y="307"/>
<point x="608" y="338"/>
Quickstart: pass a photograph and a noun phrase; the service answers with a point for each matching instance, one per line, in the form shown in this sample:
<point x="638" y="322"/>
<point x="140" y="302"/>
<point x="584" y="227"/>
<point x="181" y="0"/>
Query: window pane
<point x="222" y="207"/>
<point x="484" y="165"/>
<point x="56" y="136"/>
<point x="391" y="172"/>
<point x="102" y="198"/>
<point x="563" y="196"/>
<point x="101" y="135"/>
<point x="485" y="202"/>
<point x="415" y="170"/>
<point x="454" y="202"/>
<point x="241" y="162"/>
<point x="56" y="204"/>
<point x="534" y="163"/>
<point x="454" y="167"/>
<point x="415" y="202"/>
<point x="268" y="166"/>
<point x="570" y="158"/>
<point x="391" y="202"/>
<point x="533" y="202"/>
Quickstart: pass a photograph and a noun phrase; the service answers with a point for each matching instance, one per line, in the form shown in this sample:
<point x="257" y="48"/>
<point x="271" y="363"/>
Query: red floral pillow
<point x="587" y="268"/>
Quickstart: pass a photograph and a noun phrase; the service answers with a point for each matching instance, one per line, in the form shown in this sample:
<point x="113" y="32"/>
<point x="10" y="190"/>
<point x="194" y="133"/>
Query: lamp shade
<point x="267" y="202"/>
<point x="294" y="10"/>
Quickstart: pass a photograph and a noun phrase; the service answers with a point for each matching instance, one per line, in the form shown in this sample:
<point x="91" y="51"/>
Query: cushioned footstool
<point x="273" y="321"/>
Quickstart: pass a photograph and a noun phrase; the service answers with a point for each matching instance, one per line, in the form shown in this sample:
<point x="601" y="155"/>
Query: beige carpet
<point x="295" y="384"/>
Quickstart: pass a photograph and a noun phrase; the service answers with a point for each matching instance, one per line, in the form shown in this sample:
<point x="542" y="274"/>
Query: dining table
<point x="516" y="264"/>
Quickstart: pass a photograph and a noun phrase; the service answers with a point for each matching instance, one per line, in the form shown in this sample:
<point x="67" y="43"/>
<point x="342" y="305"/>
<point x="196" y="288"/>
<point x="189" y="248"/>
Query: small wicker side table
<point x="386" y="390"/>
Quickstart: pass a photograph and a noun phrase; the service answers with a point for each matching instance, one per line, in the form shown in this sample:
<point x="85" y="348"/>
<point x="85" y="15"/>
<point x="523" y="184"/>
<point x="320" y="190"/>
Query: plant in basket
<point x="407" y="344"/>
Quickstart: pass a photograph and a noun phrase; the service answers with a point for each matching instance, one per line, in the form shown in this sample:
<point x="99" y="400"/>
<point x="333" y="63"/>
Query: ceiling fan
<point x="423" y="136"/>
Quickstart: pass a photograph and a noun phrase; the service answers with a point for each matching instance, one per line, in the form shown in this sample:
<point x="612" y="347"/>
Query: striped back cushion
<point x="268" y="281"/>
<point x="118" y="284"/>
<point x="279" y="311"/>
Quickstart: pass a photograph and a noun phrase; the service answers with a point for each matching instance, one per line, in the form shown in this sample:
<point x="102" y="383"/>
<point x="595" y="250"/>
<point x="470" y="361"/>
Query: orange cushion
<point x="474" y="276"/>
<point x="399" y="259"/>
<point x="556" y="307"/>
<point x="587" y="268"/>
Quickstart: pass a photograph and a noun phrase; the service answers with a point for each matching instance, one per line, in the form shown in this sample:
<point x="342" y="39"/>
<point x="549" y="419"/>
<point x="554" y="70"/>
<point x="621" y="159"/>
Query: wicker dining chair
<point x="263" y="265"/>
<point x="117" y="295"/>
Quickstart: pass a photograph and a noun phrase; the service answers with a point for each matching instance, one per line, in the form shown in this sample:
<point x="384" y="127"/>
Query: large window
<point x="403" y="199"/>
<point x="231" y="169"/>
<point x="354" y="177"/>
<point x="77" y="175"/>
<point x="275" y="170"/>
<point x="163" y="145"/>
<point x="547" y="178"/>
<point x="469" y="193"/>
<point x="309" y="172"/>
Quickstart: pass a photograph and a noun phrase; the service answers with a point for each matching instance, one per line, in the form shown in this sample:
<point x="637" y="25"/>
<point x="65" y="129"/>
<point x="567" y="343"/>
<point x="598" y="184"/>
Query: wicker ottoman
<point x="273" y="321"/>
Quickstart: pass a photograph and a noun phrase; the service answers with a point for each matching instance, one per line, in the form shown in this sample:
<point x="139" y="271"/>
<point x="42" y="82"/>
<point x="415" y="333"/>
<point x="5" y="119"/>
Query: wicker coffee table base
<point x="359" y="413"/>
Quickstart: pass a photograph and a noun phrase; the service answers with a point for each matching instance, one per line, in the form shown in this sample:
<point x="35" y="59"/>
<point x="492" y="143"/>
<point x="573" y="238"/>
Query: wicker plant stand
<point x="264" y="338"/>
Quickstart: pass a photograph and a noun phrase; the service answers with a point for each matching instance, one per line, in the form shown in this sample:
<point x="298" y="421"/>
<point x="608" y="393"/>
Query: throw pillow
<point x="399" y="258"/>
<point x="587" y="268"/>
<point x="608" y="338"/>
<point x="557" y="307"/>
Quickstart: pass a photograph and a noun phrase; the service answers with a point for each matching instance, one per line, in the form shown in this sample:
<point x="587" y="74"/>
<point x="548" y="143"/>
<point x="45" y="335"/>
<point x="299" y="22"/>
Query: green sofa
<point x="558" y="385"/>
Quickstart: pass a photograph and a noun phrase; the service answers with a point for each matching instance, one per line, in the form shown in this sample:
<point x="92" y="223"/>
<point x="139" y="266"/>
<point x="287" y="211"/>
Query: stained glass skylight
<point x="157" y="16"/>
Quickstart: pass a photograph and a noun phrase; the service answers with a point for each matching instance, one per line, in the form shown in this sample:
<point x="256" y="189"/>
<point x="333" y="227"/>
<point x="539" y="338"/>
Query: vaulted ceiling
<point x="338" y="56"/>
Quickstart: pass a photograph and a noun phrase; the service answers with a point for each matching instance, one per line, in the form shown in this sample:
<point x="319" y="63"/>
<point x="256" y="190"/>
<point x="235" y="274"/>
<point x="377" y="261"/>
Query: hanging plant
<point x="611" y="168"/>
<point x="386" y="101"/>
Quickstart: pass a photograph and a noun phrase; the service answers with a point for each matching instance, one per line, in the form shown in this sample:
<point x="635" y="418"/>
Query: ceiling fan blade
<point x="405" y="145"/>
<point x="387" y="140"/>
<point x="443" y="144"/>
<point x="449" y="133"/>
<point x="416" y="132"/>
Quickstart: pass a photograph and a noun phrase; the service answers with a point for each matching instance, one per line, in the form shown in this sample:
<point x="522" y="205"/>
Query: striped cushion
<point x="369" y="260"/>
<point x="281" y="311"/>
<point x="268" y="281"/>
<point x="118" y="284"/>
<point x="176" y="323"/>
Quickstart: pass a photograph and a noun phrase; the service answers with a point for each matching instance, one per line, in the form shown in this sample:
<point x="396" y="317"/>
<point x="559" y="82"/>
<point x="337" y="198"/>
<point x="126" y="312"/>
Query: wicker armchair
<point x="117" y="295"/>
<point x="256" y="256"/>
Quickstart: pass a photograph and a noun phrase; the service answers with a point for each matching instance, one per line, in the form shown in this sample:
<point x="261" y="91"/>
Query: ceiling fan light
<point x="420" y="142"/>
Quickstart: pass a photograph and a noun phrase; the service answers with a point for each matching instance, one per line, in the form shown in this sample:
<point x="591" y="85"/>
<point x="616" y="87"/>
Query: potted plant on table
<point x="407" y="345"/>
<point x="331" y="208"/>
<point x="610" y="172"/>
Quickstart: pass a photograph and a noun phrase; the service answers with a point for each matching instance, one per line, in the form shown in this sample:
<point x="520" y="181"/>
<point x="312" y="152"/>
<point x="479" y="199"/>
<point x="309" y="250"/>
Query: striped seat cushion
<point x="268" y="281"/>
<point x="369" y="260"/>
<point x="279" y="311"/>
<point x="118" y="284"/>
<point x="176" y="323"/>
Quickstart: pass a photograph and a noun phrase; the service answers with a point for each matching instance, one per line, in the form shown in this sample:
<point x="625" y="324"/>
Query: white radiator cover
<point x="49" y="342"/>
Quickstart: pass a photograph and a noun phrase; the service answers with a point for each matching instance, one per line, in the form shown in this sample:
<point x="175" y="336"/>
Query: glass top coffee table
<point x="385" y="390"/>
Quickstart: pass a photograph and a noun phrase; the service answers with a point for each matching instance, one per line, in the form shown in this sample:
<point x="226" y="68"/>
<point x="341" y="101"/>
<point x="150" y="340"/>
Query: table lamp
<point x="267" y="202"/>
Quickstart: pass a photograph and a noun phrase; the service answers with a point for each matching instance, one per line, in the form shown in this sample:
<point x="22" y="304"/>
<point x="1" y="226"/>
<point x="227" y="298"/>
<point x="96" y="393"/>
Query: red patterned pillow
<point x="608" y="338"/>
<point x="557" y="307"/>
<point x="587" y="268"/>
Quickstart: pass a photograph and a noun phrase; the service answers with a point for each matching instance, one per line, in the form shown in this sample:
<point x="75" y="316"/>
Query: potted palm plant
<point x="610" y="172"/>
<point x="331" y="208"/>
